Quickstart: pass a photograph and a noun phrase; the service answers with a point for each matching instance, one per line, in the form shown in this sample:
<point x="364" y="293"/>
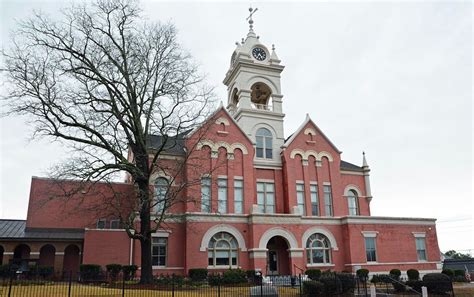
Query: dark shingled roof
<point x="350" y="167"/>
<point x="16" y="229"/>
<point x="174" y="144"/>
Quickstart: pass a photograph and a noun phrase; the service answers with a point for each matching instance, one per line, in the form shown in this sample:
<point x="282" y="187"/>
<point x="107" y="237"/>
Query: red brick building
<point x="262" y="201"/>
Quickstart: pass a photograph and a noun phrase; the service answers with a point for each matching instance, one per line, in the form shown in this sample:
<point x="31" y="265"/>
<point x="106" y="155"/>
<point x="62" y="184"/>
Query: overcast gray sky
<point x="391" y="78"/>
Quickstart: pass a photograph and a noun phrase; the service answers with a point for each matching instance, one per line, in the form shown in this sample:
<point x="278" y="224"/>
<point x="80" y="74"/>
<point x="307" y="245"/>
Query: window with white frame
<point x="264" y="143"/>
<point x="238" y="196"/>
<point x="266" y="197"/>
<point x="421" y="248"/>
<point x="314" y="200"/>
<point x="115" y="224"/>
<point x="328" y="200"/>
<point x="161" y="188"/>
<point x="300" y="198"/>
<point x="370" y="249"/>
<point x="158" y="251"/>
<point x="353" y="203"/>
<point x="206" y="194"/>
<point x="318" y="249"/>
<point x="223" y="250"/>
<point x="222" y="195"/>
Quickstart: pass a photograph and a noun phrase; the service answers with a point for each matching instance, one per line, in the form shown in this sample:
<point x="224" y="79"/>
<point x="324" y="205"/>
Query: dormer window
<point x="264" y="139"/>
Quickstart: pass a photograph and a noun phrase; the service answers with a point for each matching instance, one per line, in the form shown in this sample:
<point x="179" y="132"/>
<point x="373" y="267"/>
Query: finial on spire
<point x="273" y="47"/>
<point x="249" y="18"/>
<point x="364" y="161"/>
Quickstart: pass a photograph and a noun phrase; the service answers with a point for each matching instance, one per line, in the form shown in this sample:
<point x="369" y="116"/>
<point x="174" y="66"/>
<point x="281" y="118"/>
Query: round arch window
<point x="264" y="143"/>
<point x="223" y="250"/>
<point x="318" y="249"/>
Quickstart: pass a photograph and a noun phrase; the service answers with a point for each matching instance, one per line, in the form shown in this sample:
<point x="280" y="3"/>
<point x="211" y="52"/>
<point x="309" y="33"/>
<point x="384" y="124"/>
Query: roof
<point x="174" y="144"/>
<point x="16" y="229"/>
<point x="350" y="167"/>
<point x="459" y="264"/>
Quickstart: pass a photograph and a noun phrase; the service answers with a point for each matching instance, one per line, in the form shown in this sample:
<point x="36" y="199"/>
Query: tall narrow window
<point x="421" y="248"/>
<point x="300" y="198"/>
<point x="328" y="200"/>
<point x="314" y="200"/>
<point x="353" y="203"/>
<point x="161" y="187"/>
<point x="158" y="251"/>
<point x="238" y="196"/>
<point x="206" y="194"/>
<point x="101" y="223"/>
<point x="266" y="197"/>
<point x="264" y="143"/>
<point x="222" y="195"/>
<point x="370" y="249"/>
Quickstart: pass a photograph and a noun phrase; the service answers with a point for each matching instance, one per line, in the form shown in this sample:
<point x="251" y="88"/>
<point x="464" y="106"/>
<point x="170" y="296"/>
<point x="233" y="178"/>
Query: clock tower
<point x="254" y="96"/>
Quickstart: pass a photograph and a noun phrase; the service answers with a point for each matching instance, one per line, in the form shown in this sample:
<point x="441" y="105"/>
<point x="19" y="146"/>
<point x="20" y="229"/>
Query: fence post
<point x="172" y="287"/>
<point x="123" y="284"/>
<point x="10" y="285"/>
<point x="301" y="291"/>
<point x="219" y="286"/>
<point x="69" y="284"/>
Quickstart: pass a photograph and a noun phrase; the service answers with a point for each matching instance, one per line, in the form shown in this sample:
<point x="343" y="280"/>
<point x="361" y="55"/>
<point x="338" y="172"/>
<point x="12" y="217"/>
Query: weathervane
<point x="249" y="18"/>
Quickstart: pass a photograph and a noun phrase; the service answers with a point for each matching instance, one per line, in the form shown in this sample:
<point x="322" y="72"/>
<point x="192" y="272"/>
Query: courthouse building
<point x="264" y="200"/>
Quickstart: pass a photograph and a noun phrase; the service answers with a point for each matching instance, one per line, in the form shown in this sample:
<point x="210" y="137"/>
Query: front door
<point x="272" y="263"/>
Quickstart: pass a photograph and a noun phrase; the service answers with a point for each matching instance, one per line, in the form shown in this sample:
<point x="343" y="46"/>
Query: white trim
<point x="263" y="180"/>
<point x="371" y="234"/>
<point x="301" y="182"/>
<point x="324" y="154"/>
<point x="309" y="130"/>
<point x="105" y="230"/>
<point x="354" y="188"/>
<point x="222" y="228"/>
<point x="391" y="263"/>
<point x="278" y="231"/>
<point x="345" y="172"/>
<point x="161" y="233"/>
<point x="224" y="267"/>
<point x="34" y="253"/>
<point x="323" y="231"/>
<point x="419" y="235"/>
<point x="313" y="183"/>
<point x="238" y="177"/>
<point x="326" y="183"/>
<point x="222" y="120"/>
<point x="59" y="253"/>
<point x="320" y="265"/>
<point x="222" y="176"/>
<point x="166" y="268"/>
<point x="8" y="253"/>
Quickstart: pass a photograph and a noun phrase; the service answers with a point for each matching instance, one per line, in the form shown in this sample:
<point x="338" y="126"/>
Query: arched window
<point x="353" y="203"/>
<point x="318" y="249"/>
<point x="264" y="139"/>
<point x="222" y="250"/>
<point x="161" y="188"/>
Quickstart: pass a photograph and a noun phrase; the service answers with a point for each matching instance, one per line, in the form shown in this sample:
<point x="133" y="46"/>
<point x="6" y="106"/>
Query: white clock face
<point x="259" y="53"/>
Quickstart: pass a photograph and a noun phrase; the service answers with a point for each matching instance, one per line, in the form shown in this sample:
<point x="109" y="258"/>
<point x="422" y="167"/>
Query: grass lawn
<point x="57" y="290"/>
<point x="463" y="289"/>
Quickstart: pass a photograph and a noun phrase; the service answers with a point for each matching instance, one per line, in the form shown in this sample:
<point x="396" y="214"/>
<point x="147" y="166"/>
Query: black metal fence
<point x="77" y="285"/>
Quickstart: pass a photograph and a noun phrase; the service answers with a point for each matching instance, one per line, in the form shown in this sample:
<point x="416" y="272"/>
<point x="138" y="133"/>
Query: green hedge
<point x="234" y="276"/>
<point x="313" y="274"/>
<point x="198" y="274"/>
<point x="413" y="274"/>
<point x="395" y="273"/>
<point x="89" y="271"/>
<point x="313" y="288"/>
<point x="362" y="273"/>
<point x="129" y="271"/>
<point x="437" y="283"/>
<point x="113" y="270"/>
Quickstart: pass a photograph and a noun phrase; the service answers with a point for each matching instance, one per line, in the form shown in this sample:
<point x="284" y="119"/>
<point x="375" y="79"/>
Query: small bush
<point x="459" y="272"/>
<point x="415" y="285"/>
<point x="363" y="274"/>
<point x="459" y="279"/>
<point x="89" y="271"/>
<point x="5" y="270"/>
<point x="448" y="272"/>
<point x="395" y="274"/>
<point x="214" y="279"/>
<point x="375" y="279"/>
<point x="234" y="276"/>
<point x="198" y="274"/>
<point x="437" y="283"/>
<point x="348" y="281"/>
<point x="313" y="288"/>
<point x="113" y="270"/>
<point x="129" y="271"/>
<point x="413" y="274"/>
<point x="45" y="271"/>
<point x="313" y="274"/>
<point x="332" y="284"/>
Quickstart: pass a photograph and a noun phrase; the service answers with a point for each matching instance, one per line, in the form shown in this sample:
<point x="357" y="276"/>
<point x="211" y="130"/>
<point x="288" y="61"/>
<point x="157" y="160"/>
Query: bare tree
<point x="103" y="80"/>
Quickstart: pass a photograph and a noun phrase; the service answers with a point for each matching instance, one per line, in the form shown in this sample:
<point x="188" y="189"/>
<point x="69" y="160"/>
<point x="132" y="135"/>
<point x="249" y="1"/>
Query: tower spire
<point x="249" y="18"/>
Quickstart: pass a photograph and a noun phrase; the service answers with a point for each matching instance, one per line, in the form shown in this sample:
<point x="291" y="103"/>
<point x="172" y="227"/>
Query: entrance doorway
<point x="278" y="260"/>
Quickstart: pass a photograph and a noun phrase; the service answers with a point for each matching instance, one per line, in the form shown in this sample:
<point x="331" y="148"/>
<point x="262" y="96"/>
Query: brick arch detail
<point x="354" y="188"/>
<point x="278" y="231"/>
<point x="223" y="228"/>
<point x="229" y="147"/>
<point x="325" y="232"/>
